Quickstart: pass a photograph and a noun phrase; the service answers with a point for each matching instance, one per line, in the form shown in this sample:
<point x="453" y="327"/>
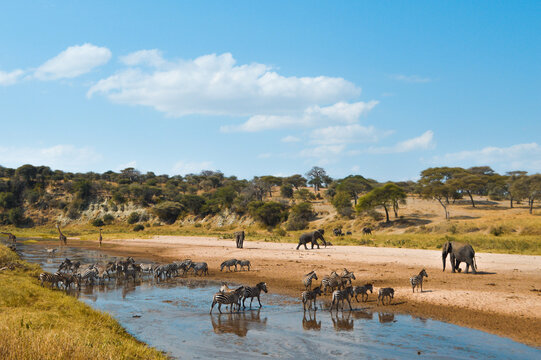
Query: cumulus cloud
<point x="324" y="153"/>
<point x="217" y="85"/>
<point x="423" y="142"/>
<point x="10" y="78"/>
<point x="72" y="62"/>
<point x="410" y="78"/>
<point x="191" y="167"/>
<point x="354" y="133"/>
<point x="515" y="157"/>
<point x="65" y="157"/>
<point x="341" y="112"/>
<point x="290" y="139"/>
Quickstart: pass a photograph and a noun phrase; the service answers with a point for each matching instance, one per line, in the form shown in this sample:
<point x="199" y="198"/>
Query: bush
<point x="16" y="217"/>
<point x="197" y="225"/>
<point x="299" y="216"/>
<point x="168" y="211"/>
<point x="133" y="218"/>
<point x="269" y="213"/>
<point x="280" y="232"/>
<point x="108" y="219"/>
<point x="97" y="222"/>
<point x="342" y="203"/>
<point x="138" y="227"/>
<point x="73" y="213"/>
<point x="496" y="230"/>
<point x="286" y="191"/>
<point x="304" y="194"/>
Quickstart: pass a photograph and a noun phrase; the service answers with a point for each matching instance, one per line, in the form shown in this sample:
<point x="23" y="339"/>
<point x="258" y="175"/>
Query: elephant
<point x="459" y="253"/>
<point x="312" y="237"/>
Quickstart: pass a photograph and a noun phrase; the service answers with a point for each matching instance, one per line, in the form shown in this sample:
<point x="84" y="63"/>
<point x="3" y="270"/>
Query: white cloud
<point x="290" y="139"/>
<point x="423" y="142"/>
<point x="410" y="78"/>
<point x="324" y="153"/>
<point x="10" y="78"/>
<point x="515" y="157"/>
<point x="346" y="134"/>
<point x="264" y="156"/>
<point x="64" y="157"/>
<point x="341" y="112"/>
<point x="216" y="85"/>
<point x="191" y="167"/>
<point x="131" y="164"/>
<point x="72" y="62"/>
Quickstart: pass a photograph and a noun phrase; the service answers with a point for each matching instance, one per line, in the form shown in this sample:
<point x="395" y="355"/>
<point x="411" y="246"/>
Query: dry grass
<point x="38" y="323"/>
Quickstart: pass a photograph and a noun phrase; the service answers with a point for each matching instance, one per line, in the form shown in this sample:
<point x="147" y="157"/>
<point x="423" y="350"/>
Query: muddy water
<point x="173" y="316"/>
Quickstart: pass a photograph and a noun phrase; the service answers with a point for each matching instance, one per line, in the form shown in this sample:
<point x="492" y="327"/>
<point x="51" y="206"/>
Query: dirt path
<point x="505" y="298"/>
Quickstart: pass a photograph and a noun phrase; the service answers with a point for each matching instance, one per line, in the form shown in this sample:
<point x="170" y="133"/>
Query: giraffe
<point x="62" y="237"/>
<point x="100" y="238"/>
<point x="11" y="237"/>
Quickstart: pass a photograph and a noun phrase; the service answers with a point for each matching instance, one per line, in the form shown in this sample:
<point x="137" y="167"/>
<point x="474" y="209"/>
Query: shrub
<point x="286" y="191"/>
<point x="496" y="230"/>
<point x="108" y="219"/>
<point x="269" y="213"/>
<point x="168" y="211"/>
<point x="342" y="203"/>
<point x="16" y="216"/>
<point x="138" y="227"/>
<point x="73" y="213"/>
<point x="280" y="231"/>
<point x="97" y="222"/>
<point x="133" y="218"/>
<point x="304" y="194"/>
<point x="197" y="225"/>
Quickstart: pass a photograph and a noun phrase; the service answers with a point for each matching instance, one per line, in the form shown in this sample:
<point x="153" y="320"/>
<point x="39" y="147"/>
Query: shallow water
<point x="173" y="316"/>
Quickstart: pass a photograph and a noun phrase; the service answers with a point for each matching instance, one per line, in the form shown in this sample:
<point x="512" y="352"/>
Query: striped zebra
<point x="165" y="270"/>
<point x="331" y="281"/>
<point x="68" y="279"/>
<point x="340" y="296"/>
<point x="228" y="264"/>
<point x="53" y="279"/>
<point x="385" y="293"/>
<point x="227" y="298"/>
<point x="243" y="264"/>
<point x="363" y="290"/>
<point x="183" y="265"/>
<point x="199" y="266"/>
<point x="310" y="296"/>
<point x="146" y="268"/>
<point x="254" y="292"/>
<point x="416" y="281"/>
<point x="346" y="276"/>
<point x="87" y="275"/>
<point x="307" y="279"/>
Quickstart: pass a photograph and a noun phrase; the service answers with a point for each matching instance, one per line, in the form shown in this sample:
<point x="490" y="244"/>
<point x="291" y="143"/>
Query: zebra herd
<point x="344" y="291"/>
<point x="234" y="262"/>
<point x="74" y="273"/>
<point x="234" y="298"/>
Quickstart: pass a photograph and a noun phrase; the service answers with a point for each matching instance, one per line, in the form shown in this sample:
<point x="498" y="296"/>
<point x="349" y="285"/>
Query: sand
<point x="504" y="298"/>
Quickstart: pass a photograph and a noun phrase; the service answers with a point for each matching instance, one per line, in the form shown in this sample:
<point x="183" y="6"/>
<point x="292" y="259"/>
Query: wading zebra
<point x="340" y="296"/>
<point x="199" y="266"/>
<point x="53" y="279"/>
<point x="227" y="298"/>
<point x="228" y="264"/>
<point x="244" y="263"/>
<point x="385" y="293"/>
<point x="346" y="277"/>
<point x="416" y="281"/>
<point x="254" y="292"/>
<point x="307" y="279"/>
<point x="68" y="279"/>
<point x="311" y="295"/>
<point x="87" y="275"/>
<point x="363" y="290"/>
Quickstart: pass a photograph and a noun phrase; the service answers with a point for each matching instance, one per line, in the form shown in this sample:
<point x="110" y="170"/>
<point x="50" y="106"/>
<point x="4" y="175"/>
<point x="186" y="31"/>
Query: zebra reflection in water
<point x="311" y="323"/>
<point x="238" y="323"/>
<point x="342" y="322"/>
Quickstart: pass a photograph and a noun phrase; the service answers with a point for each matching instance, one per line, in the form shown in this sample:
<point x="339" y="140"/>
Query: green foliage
<point x="225" y="196"/>
<point x="286" y="191"/>
<point x="97" y="222"/>
<point x="496" y="230"/>
<point x="384" y="196"/>
<point x="304" y="195"/>
<point x="7" y="200"/>
<point x="342" y="203"/>
<point x="167" y="211"/>
<point x="269" y="213"/>
<point x="318" y="177"/>
<point x="133" y="218"/>
<point x="299" y="216"/>
<point x="353" y="185"/>
<point x="108" y="219"/>
<point x="139" y="227"/>
<point x="16" y="217"/>
<point x="193" y="203"/>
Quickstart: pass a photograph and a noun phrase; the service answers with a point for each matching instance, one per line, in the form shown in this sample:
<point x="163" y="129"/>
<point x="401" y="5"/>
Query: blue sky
<point x="382" y="89"/>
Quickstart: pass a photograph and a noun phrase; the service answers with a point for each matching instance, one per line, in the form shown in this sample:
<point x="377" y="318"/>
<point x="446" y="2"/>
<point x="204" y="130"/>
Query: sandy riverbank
<point x="504" y="299"/>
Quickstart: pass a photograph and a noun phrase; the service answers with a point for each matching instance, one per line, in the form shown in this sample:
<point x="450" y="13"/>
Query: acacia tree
<point x="469" y="183"/>
<point x="354" y="185"/>
<point x="528" y="187"/>
<point x="297" y="181"/>
<point x="384" y="196"/>
<point x="318" y="177"/>
<point x="513" y="176"/>
<point x="433" y="186"/>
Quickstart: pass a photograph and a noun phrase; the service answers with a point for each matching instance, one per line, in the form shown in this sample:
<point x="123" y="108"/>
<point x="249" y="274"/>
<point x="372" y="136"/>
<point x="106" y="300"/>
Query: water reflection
<point x="342" y="322"/>
<point x="362" y="314"/>
<point x="386" y="317"/>
<point x="238" y="323"/>
<point x="311" y="323"/>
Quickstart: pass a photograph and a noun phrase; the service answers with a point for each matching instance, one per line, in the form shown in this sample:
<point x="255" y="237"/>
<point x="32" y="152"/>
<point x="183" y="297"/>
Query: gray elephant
<point x="459" y="253"/>
<point x="312" y="237"/>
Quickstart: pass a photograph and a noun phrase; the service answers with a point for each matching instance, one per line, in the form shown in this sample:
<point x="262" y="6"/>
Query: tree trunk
<point x="444" y="209"/>
<point x="386" y="213"/>
<point x="447" y="200"/>
<point x="471" y="198"/>
<point x="355" y="197"/>
<point x="531" y="206"/>
<point x="395" y="209"/>
<point x="511" y="202"/>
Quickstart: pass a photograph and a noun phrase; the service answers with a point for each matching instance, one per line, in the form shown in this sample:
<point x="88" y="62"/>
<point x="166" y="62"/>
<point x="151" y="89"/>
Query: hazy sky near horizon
<point x="381" y="89"/>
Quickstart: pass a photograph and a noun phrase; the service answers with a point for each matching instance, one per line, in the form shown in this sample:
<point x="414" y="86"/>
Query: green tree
<point x="512" y="177"/>
<point x="299" y="216"/>
<point x="354" y="185"/>
<point x="342" y="203"/>
<point x="167" y="211"/>
<point x="318" y="177"/>
<point x="269" y="213"/>
<point x="133" y="218"/>
<point x="286" y="191"/>
<point x="304" y="195"/>
<point x="270" y="181"/>
<point x="16" y="217"/>
<point x="383" y="196"/>
<point x="297" y="181"/>
<point x="7" y="200"/>
<point x="225" y="196"/>
<point x="193" y="203"/>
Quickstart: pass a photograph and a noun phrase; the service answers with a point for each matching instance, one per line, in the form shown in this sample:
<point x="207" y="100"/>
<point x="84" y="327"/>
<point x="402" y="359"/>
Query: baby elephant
<point x="244" y="263"/>
<point x="385" y="292"/>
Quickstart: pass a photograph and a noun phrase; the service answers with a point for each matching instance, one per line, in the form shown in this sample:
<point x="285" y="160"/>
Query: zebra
<point x="183" y="265"/>
<point x="417" y="280"/>
<point x="228" y="264"/>
<point x="363" y="290"/>
<point x="385" y="292"/>
<point x="53" y="279"/>
<point x="340" y="296"/>
<point x="199" y="266"/>
<point x="167" y="270"/>
<point x="68" y="279"/>
<point x="330" y="281"/>
<point x="346" y="276"/>
<point x="227" y="298"/>
<point x="307" y="279"/>
<point x="311" y="295"/>
<point x="244" y="263"/>
<point x="252" y="292"/>
<point x="87" y="275"/>
<point x="146" y="268"/>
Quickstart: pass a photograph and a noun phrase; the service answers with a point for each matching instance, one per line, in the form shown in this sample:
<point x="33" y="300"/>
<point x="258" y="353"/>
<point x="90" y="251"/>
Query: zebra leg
<point x="251" y="301"/>
<point x="212" y="306"/>
<point x="243" y="303"/>
<point x="258" y="299"/>
<point x="349" y="303"/>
